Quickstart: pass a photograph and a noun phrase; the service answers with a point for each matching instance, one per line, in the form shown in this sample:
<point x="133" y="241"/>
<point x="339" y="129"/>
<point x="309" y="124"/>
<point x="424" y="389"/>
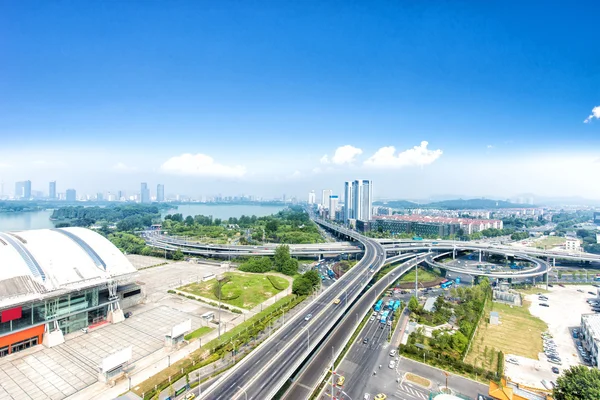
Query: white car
<point x="393" y="353"/>
<point x="512" y="360"/>
<point x="392" y="364"/>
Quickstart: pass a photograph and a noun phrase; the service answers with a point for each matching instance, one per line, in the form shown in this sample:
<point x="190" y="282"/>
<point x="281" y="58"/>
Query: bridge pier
<point x="454" y="253"/>
<point x="480" y="255"/>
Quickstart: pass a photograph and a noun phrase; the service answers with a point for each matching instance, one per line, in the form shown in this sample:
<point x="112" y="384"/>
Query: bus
<point x="417" y="238"/>
<point x="378" y="305"/>
<point x="396" y="305"/>
<point x="390" y="305"/>
<point x="209" y="316"/>
<point x="446" y="284"/>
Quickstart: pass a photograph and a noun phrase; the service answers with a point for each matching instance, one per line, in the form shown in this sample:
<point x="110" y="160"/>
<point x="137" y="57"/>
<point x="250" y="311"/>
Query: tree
<point x="290" y="267"/>
<point x="189" y="220"/>
<point x="313" y="277"/>
<point x="413" y="304"/>
<point x="578" y="382"/>
<point x="257" y="265"/>
<point x="282" y="254"/>
<point x="178" y="255"/>
<point x="302" y="286"/>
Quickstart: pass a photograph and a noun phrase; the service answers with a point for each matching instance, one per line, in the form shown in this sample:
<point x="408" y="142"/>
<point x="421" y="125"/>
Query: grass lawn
<point x="424" y="276"/>
<point x="419" y="380"/>
<point x="549" y="242"/>
<point x="519" y="333"/>
<point x="203" y="330"/>
<point x="244" y="290"/>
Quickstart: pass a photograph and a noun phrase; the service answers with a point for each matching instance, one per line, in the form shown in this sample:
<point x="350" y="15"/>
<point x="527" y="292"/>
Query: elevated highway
<point x="263" y="372"/>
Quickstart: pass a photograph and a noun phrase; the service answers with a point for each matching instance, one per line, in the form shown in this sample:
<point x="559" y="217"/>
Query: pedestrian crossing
<point x="406" y="392"/>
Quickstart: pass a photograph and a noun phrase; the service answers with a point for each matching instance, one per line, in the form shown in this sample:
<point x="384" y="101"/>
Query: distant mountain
<point x="474" y="204"/>
<point x="397" y="204"/>
<point x="455" y="204"/>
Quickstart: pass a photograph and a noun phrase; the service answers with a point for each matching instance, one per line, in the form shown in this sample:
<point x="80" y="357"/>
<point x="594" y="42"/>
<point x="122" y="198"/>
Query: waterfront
<point x="17" y="221"/>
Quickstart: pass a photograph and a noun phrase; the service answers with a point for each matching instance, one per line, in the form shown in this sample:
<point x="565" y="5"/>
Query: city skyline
<point x="489" y="102"/>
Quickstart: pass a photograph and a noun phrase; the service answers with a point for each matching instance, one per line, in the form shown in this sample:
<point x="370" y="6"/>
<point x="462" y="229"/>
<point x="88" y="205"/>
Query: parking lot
<point x="565" y="306"/>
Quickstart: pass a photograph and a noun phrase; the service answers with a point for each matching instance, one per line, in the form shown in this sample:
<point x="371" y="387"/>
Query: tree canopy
<point x="578" y="383"/>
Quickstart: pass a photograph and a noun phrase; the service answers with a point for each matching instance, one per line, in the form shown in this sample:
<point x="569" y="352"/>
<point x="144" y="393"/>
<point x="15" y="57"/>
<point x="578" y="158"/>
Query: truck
<point x="417" y="238"/>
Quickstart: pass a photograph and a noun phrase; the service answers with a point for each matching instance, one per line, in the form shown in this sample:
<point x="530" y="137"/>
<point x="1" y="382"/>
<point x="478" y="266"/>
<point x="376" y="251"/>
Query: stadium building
<point x="57" y="281"/>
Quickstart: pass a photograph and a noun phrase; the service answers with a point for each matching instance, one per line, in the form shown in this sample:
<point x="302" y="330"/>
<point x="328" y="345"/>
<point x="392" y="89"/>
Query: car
<point x="561" y="285"/>
<point x="309" y="316"/>
<point x="372" y="319"/>
<point x="128" y="314"/>
<point x="555" y="361"/>
<point x="592" y="293"/>
<point x="555" y="370"/>
<point x="340" y="380"/>
<point x="380" y="396"/>
<point x="392" y="364"/>
<point x="580" y="290"/>
<point x="512" y="361"/>
<point x="190" y="396"/>
<point x="544" y="305"/>
<point x="367" y="396"/>
<point x="393" y="353"/>
<point x="550" y="285"/>
<point x="366" y="340"/>
<point x="389" y="323"/>
<point x="336" y="301"/>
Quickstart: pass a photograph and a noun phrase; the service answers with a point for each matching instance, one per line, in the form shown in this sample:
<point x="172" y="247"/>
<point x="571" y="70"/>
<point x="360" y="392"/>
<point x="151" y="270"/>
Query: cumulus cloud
<point x="122" y="167"/>
<point x="200" y="165"/>
<point x="343" y="155"/>
<point x="595" y="114"/>
<point x="418" y="155"/>
<point x="490" y="146"/>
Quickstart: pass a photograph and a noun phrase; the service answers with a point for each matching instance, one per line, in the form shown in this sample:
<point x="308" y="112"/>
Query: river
<point x="19" y="221"/>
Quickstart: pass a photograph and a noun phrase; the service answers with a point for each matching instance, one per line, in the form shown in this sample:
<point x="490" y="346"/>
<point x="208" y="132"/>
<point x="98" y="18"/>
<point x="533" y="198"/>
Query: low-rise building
<point x="590" y="336"/>
<point x="572" y="244"/>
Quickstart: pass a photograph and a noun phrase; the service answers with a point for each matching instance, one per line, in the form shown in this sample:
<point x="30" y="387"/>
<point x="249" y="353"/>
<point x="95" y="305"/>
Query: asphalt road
<point x="310" y="377"/>
<point x="267" y="367"/>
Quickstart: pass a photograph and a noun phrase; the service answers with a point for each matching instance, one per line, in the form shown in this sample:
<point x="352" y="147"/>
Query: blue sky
<point x="101" y="95"/>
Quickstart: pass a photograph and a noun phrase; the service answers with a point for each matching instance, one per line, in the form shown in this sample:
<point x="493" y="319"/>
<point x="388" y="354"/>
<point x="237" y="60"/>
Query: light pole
<point x="308" y="339"/>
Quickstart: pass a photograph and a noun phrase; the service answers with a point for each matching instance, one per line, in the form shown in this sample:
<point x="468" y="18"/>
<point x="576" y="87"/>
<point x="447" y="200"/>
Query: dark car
<point x="555" y="370"/>
<point x="592" y="293"/>
<point x="366" y="340"/>
<point x="550" y="285"/>
<point x="128" y="314"/>
<point x="561" y="285"/>
<point x="544" y="305"/>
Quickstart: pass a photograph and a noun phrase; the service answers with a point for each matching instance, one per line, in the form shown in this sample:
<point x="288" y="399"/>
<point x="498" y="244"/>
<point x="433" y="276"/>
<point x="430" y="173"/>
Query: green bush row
<point x="274" y="282"/>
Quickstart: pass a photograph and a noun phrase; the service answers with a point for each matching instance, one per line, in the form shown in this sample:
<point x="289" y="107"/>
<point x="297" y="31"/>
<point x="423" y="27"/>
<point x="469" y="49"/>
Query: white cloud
<point x="122" y="167"/>
<point x="490" y="146"/>
<point x="200" y="165"/>
<point x="316" y="170"/>
<point x="296" y="174"/>
<point x="595" y="114"/>
<point x="48" y="164"/>
<point x="418" y="155"/>
<point x="343" y="155"/>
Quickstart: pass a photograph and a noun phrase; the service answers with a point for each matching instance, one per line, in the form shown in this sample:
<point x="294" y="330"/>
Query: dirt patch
<point x="411" y="285"/>
<point x="419" y="380"/>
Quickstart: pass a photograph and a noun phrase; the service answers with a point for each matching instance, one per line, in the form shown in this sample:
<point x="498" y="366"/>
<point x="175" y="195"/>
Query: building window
<point x="3" y="351"/>
<point x="132" y="293"/>
<point x="24" y="344"/>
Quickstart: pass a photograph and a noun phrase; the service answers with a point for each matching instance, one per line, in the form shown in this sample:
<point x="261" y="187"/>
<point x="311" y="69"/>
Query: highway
<point x="311" y="376"/>
<point x="264" y="371"/>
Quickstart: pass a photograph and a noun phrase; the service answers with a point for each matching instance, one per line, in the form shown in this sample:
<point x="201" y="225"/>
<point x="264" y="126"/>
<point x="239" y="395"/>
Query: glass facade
<point x="73" y="311"/>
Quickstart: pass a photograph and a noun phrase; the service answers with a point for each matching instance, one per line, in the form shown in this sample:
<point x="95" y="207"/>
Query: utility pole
<point x="219" y="285"/>
<point x="416" y="280"/>
<point x="332" y="373"/>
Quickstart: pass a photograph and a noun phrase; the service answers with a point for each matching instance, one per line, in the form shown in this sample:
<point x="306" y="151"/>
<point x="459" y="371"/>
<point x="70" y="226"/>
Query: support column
<point x="480" y="255"/>
<point x="547" y="274"/>
<point x="53" y="336"/>
<point x="115" y="313"/>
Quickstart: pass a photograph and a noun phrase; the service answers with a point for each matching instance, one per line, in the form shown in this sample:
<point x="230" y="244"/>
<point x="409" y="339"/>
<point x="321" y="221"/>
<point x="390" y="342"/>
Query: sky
<point x="475" y="99"/>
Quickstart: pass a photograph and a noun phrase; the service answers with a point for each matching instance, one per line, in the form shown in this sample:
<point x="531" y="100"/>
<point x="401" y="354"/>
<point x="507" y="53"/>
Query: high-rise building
<point x="325" y="198"/>
<point x="333" y="203"/>
<point x="145" y="193"/>
<point x="160" y="193"/>
<point x="366" y="201"/>
<point x="99" y="197"/>
<point x="311" y="197"/>
<point x="348" y="202"/>
<point x="71" y="195"/>
<point x="362" y="199"/>
<point x="52" y="190"/>
<point x="23" y="190"/>
<point x="120" y="195"/>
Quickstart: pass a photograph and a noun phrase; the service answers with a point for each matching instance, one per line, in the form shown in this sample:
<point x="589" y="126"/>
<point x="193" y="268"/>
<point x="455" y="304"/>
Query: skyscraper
<point x="99" y="196"/>
<point x="333" y="202"/>
<point x="145" y="193"/>
<point x="311" y="197"/>
<point x="71" y="195"/>
<point x="160" y="193"/>
<point x="366" y="201"/>
<point x="23" y="190"/>
<point x="52" y="191"/>
<point x="325" y="198"/>
<point x="362" y="199"/>
<point x="348" y="202"/>
<point x="120" y="195"/>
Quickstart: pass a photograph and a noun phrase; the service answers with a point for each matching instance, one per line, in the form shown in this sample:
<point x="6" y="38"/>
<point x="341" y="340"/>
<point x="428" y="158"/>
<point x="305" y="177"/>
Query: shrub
<point x="274" y="282"/>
